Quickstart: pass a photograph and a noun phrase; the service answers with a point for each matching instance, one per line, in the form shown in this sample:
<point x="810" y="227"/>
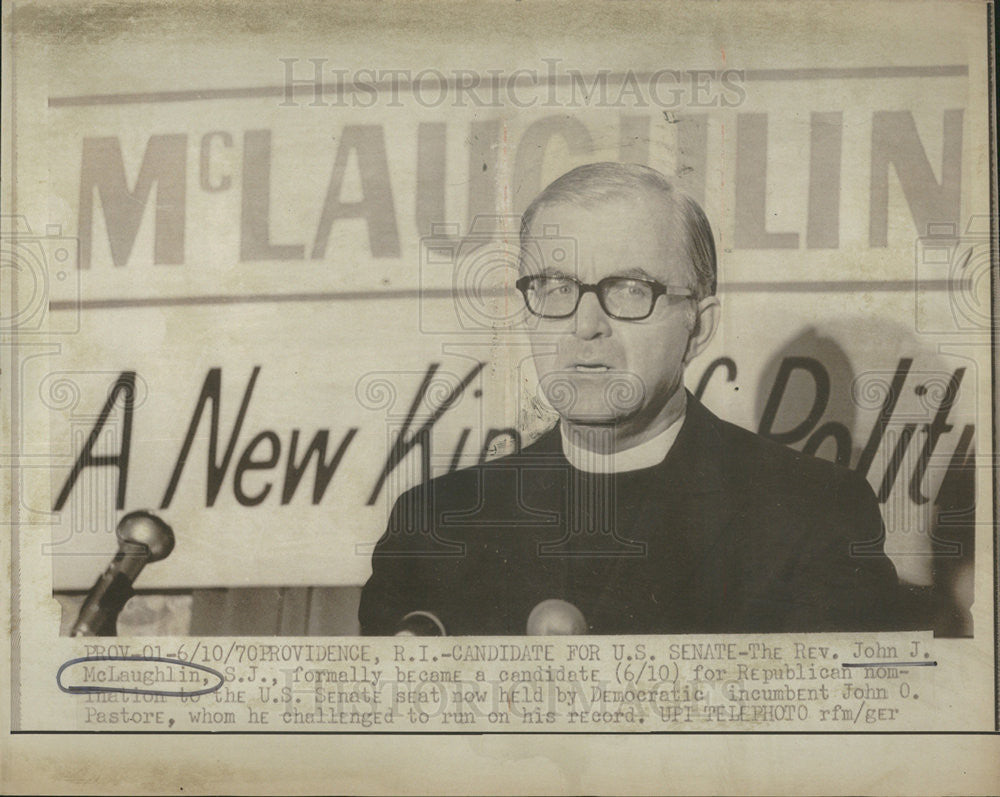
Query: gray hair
<point x="598" y="182"/>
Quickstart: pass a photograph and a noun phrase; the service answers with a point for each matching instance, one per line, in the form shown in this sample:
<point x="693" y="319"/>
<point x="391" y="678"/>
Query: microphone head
<point x="554" y="617"/>
<point x="420" y="623"/>
<point x="146" y="529"/>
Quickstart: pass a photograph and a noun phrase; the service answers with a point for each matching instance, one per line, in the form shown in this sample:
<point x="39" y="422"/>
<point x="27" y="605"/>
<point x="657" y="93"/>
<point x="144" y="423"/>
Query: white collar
<point x="644" y="455"/>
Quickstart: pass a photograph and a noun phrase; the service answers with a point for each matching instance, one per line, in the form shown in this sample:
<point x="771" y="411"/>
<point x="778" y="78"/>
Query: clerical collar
<point x="644" y="455"/>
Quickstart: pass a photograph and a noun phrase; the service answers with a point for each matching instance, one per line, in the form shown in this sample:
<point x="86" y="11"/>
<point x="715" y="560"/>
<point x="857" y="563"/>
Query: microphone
<point x="420" y="623"/>
<point x="554" y="617"/>
<point x="142" y="538"/>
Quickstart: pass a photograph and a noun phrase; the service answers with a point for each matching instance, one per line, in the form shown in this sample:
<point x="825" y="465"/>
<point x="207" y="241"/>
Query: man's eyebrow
<point x="637" y="273"/>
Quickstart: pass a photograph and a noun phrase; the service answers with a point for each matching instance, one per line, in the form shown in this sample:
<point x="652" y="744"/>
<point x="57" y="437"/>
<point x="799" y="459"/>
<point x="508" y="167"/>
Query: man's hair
<point x="599" y="182"/>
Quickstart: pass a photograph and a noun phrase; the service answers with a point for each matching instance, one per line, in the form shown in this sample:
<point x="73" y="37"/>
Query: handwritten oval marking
<point x="90" y="689"/>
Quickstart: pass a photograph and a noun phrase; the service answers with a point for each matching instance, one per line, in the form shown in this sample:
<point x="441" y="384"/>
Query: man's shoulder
<point x="459" y="484"/>
<point x="753" y="462"/>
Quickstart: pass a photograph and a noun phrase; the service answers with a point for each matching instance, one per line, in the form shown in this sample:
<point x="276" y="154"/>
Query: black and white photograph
<point x="421" y="374"/>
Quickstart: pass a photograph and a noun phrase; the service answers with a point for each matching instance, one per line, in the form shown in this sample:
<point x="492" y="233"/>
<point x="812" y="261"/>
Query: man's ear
<point x="705" y="323"/>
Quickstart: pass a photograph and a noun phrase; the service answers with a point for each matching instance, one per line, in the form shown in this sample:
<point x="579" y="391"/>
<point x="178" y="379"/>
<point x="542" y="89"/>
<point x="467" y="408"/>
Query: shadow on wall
<point x="906" y="426"/>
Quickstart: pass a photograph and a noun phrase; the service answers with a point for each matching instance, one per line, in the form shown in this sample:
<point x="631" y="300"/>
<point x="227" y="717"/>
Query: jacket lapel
<point x="681" y="515"/>
<point x="694" y="476"/>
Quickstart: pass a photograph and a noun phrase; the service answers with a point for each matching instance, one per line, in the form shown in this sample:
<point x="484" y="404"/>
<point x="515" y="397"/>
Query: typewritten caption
<point x="841" y="682"/>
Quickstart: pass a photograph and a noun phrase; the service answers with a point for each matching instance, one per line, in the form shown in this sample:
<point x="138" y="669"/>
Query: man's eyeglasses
<point x="624" y="298"/>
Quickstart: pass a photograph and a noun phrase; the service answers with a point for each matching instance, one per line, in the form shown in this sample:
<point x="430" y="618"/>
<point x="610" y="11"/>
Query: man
<point x="641" y="512"/>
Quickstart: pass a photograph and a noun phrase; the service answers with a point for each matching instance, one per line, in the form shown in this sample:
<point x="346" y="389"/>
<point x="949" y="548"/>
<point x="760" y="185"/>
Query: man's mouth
<point x="591" y="368"/>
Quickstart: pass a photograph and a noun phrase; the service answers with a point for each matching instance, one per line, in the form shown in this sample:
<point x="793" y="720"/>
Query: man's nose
<point x="591" y="320"/>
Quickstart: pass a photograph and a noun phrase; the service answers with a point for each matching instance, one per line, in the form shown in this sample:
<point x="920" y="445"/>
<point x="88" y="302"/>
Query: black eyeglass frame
<point x="658" y="289"/>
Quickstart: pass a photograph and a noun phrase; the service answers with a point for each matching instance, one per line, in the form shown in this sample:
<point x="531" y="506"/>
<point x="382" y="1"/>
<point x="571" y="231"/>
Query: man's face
<point x="597" y="370"/>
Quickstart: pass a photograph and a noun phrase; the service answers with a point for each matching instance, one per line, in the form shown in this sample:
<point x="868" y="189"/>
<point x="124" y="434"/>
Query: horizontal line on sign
<point x="833" y="286"/>
<point x="848" y="72"/>
<point x="301" y="86"/>
<point x="480" y="733"/>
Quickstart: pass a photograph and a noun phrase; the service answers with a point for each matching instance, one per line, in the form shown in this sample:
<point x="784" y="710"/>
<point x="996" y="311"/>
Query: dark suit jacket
<point x="730" y="533"/>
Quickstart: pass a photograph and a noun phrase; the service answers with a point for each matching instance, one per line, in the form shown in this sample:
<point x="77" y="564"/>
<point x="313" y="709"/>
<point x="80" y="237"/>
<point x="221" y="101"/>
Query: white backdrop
<point x="820" y="182"/>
